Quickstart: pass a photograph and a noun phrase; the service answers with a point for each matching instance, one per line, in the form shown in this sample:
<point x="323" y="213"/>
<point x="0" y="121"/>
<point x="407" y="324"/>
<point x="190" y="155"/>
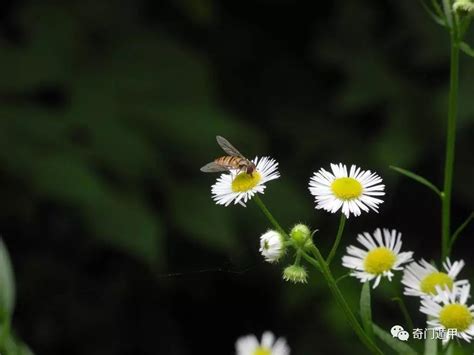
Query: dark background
<point x="107" y="111"/>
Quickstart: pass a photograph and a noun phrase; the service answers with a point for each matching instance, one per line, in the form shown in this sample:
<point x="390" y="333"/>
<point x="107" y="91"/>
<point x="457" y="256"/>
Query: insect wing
<point x="228" y="148"/>
<point x="212" y="167"/>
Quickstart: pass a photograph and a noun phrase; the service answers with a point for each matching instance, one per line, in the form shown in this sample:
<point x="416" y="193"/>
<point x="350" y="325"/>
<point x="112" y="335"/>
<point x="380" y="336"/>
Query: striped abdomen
<point x="232" y="162"/>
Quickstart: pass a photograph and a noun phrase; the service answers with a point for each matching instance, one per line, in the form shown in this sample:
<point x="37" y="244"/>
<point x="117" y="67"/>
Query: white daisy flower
<point x="422" y="278"/>
<point x="272" y="246"/>
<point x="451" y="313"/>
<point x="239" y="187"/>
<point x="353" y="191"/>
<point x="249" y="345"/>
<point x="381" y="257"/>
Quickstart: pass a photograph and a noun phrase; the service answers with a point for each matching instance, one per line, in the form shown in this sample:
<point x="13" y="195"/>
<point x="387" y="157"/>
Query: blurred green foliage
<point x="110" y="115"/>
<point x="9" y="343"/>
<point x="92" y="152"/>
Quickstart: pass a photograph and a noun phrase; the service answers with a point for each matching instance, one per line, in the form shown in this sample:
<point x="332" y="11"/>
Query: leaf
<point x="128" y="225"/>
<point x="200" y="141"/>
<point x="467" y="49"/>
<point x="366" y="310"/>
<point x="121" y="149"/>
<point x="24" y="349"/>
<point x="430" y="12"/>
<point x="12" y="345"/>
<point x="448" y="13"/>
<point x="48" y="54"/>
<point x="196" y="215"/>
<point x="397" y="345"/>
<point x="66" y="179"/>
<point x="7" y="283"/>
<point x="458" y="231"/>
<point x="417" y="178"/>
<point x="122" y="221"/>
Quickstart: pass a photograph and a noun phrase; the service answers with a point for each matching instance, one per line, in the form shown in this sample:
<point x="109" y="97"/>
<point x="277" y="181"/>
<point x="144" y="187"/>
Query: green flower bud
<point x="464" y="6"/>
<point x="301" y="235"/>
<point x="295" y="274"/>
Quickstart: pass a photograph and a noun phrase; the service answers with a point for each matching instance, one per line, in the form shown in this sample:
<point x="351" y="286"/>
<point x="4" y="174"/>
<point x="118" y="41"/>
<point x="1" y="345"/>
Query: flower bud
<point x="301" y="235"/>
<point x="464" y="6"/>
<point x="295" y="274"/>
<point x="272" y="246"/>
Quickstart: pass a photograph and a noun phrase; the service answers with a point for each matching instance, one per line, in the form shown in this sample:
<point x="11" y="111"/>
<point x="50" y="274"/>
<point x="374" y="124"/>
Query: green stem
<point x="310" y="260"/>
<point x="298" y="258"/>
<point x="343" y="304"/>
<point x="270" y="217"/>
<point x="340" y="230"/>
<point x="450" y="143"/>
<point x="340" y="299"/>
<point x="321" y="265"/>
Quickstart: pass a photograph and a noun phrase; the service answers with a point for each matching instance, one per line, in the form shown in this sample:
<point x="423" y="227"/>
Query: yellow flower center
<point x="346" y="188"/>
<point x="379" y="260"/>
<point x="456" y="316"/>
<point x="429" y="283"/>
<point x="262" y="351"/>
<point x="244" y="182"/>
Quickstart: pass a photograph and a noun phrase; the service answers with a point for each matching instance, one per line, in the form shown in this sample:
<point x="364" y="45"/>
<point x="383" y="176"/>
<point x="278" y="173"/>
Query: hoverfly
<point x="234" y="160"/>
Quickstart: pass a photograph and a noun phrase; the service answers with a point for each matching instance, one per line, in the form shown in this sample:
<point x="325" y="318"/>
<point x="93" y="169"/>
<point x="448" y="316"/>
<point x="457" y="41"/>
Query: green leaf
<point x="397" y="345"/>
<point x="122" y="221"/>
<point x="127" y="224"/>
<point x="439" y="11"/>
<point x="458" y="231"/>
<point x="24" y="349"/>
<point x="434" y="16"/>
<point x="366" y="310"/>
<point x="198" y="218"/>
<point x="466" y="48"/>
<point x="417" y="178"/>
<point x="121" y="149"/>
<point x="7" y="283"/>
<point x="12" y="345"/>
